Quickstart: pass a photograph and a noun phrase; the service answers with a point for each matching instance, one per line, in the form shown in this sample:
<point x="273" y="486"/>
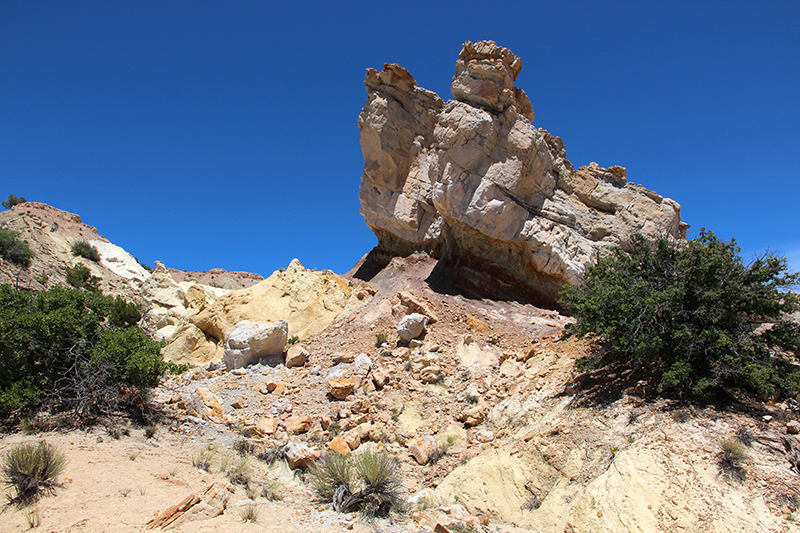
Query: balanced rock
<point x="473" y="183"/>
<point x="251" y="341"/>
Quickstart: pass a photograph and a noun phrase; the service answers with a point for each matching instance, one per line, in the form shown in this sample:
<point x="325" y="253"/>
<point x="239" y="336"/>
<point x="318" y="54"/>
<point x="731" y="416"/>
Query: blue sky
<point x="224" y="134"/>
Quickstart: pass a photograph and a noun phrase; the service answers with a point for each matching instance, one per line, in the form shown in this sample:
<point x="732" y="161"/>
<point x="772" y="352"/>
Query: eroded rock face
<point x="475" y="184"/>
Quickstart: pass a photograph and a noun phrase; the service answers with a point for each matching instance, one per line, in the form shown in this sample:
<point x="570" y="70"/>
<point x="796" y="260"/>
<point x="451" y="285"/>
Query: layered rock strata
<point x="473" y="182"/>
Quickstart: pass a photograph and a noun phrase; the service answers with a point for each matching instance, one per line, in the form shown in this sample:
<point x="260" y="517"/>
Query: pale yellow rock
<point x="422" y="449"/>
<point x="307" y="300"/>
<point x="267" y="425"/>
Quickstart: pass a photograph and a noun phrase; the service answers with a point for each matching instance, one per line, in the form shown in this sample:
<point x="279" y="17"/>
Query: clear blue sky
<point x="224" y="134"/>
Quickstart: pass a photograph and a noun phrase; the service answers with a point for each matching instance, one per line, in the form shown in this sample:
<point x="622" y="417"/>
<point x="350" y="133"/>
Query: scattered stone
<point x="299" y="455"/>
<point x="204" y="405"/>
<point x="296" y="356"/>
<point x="267" y="425"/>
<point x="411" y="326"/>
<point x="380" y="377"/>
<point x="472" y="416"/>
<point x="484" y="436"/>
<point x="793" y="427"/>
<point x="340" y="388"/>
<point x="299" y="424"/>
<point x="340" y="446"/>
<point x="414" y="343"/>
<point x="416" y="303"/>
<point x="421" y="449"/>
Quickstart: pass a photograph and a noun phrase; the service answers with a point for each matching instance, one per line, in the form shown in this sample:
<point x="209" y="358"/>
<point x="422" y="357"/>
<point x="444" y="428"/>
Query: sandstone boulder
<point x="340" y="388"/>
<point x="411" y="326"/>
<point x="473" y="183"/>
<point x="296" y="355"/>
<point x="251" y="341"/>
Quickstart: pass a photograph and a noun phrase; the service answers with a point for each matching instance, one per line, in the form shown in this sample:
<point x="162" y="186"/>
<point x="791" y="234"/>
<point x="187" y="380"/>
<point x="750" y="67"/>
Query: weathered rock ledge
<point x="472" y="182"/>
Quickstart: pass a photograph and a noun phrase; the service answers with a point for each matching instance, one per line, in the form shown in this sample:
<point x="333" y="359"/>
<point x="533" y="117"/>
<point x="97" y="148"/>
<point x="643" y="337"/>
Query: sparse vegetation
<point x="244" y="447"/>
<point x="294" y="339"/>
<point x="32" y="469"/>
<point x="13" y="200"/>
<point x="14" y="250"/>
<point x="271" y="491"/>
<point x="203" y="458"/>
<point x="690" y="316"/>
<point x="80" y="277"/>
<point x="365" y="482"/>
<point x="249" y="512"/>
<point x="731" y="457"/>
<point x="240" y="472"/>
<point x="85" y="250"/>
<point x="380" y="340"/>
<point x="270" y="455"/>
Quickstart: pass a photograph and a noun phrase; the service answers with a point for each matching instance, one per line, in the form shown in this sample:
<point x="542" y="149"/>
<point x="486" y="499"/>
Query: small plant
<point x="81" y="277"/>
<point x="272" y="454"/>
<point x="248" y="512"/>
<point x="42" y="278"/>
<point x="12" y="200"/>
<point x="14" y="250"/>
<point x="494" y="340"/>
<point x="85" y="250"/>
<point x="32" y="468"/>
<point x="294" y="339"/>
<point x="150" y="431"/>
<point x="244" y="447"/>
<point x="380" y="340"/>
<point x="33" y="518"/>
<point x="271" y="491"/>
<point x="240" y="472"/>
<point x="366" y="482"/>
<point x="681" y="416"/>
<point x="134" y="453"/>
<point x="202" y="459"/>
<point x="731" y="457"/>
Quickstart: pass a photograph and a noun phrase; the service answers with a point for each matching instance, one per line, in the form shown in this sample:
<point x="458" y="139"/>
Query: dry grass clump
<point x="240" y="472"/>
<point x="203" y="458"/>
<point x="248" y="512"/>
<point x="32" y="469"/>
<point x="367" y="482"/>
<point x="730" y="459"/>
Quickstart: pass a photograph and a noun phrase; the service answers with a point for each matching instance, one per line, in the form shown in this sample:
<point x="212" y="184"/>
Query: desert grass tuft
<point x="32" y="469"/>
<point x="730" y="459"/>
<point x="249" y="512"/>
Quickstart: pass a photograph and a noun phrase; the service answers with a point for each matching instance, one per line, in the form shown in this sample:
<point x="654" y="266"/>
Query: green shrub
<point x="66" y="348"/>
<point x="85" y="250"/>
<point x="294" y="339"/>
<point x="367" y="482"/>
<point x="32" y="468"/>
<point x="12" y="200"/>
<point x="13" y="250"/>
<point x="81" y="277"/>
<point x="689" y="316"/>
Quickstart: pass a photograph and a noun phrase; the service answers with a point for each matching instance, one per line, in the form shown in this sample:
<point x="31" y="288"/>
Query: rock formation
<point x="474" y="183"/>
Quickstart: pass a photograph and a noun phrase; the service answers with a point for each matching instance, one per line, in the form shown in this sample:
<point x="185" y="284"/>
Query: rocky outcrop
<point x="307" y="300"/>
<point x="474" y="183"/>
<point x="251" y="341"/>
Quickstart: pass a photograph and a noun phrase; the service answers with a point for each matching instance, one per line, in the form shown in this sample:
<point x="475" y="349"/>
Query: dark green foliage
<point x="12" y="200"/>
<point x="73" y="350"/>
<point x="81" y="277"/>
<point x="32" y="468"/>
<point x="13" y="250"/>
<point x="294" y="339"/>
<point x="85" y="250"/>
<point x="689" y="315"/>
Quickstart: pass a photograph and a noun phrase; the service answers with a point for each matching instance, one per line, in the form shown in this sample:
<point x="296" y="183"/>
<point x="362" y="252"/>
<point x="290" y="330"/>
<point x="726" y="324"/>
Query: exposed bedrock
<point x="472" y="182"/>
